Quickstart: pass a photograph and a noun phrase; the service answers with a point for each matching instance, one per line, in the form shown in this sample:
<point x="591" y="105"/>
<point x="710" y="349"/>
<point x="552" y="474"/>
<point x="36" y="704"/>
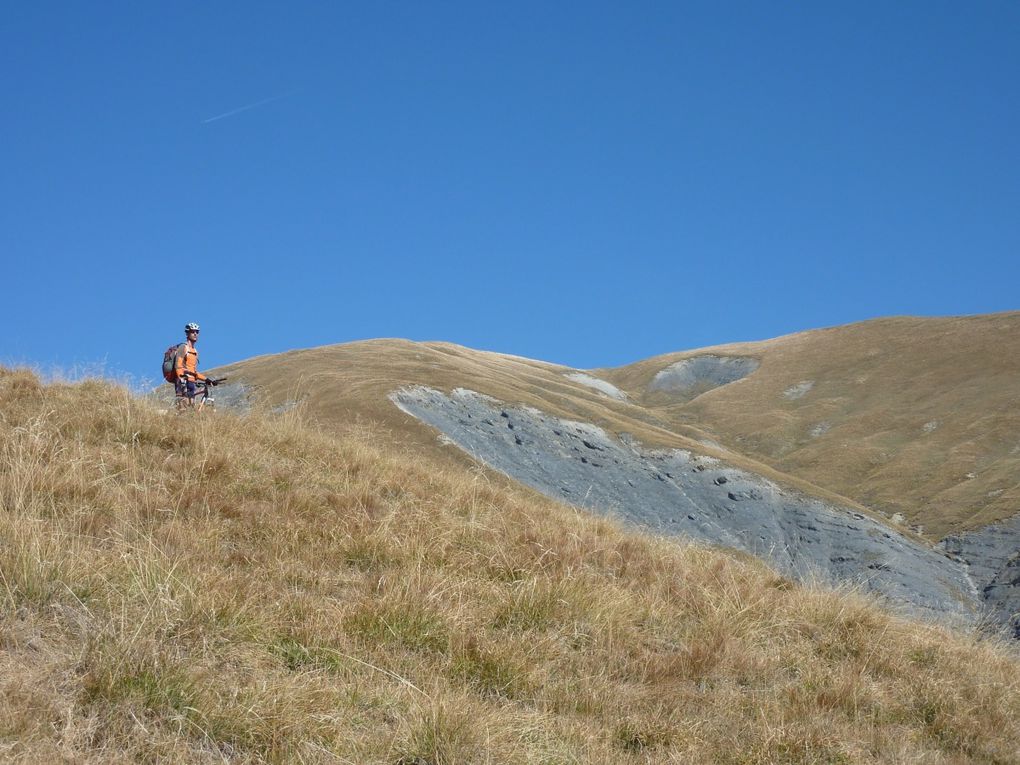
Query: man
<point x="186" y="365"/>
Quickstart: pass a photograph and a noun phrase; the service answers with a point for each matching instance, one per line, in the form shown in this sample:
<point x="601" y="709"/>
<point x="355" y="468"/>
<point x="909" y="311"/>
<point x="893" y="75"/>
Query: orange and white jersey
<point x="186" y="365"/>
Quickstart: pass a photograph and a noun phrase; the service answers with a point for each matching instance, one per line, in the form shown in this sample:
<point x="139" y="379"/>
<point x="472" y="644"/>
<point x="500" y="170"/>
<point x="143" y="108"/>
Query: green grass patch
<point x="406" y="624"/>
<point x="491" y="673"/>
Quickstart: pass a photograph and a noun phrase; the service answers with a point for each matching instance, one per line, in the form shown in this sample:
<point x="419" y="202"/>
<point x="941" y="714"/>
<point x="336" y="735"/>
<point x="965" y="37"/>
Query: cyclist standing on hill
<point x="186" y="364"/>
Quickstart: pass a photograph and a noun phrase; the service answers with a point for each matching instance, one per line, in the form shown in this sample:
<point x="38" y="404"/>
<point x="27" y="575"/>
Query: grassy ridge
<point x="224" y="589"/>
<point x="916" y="416"/>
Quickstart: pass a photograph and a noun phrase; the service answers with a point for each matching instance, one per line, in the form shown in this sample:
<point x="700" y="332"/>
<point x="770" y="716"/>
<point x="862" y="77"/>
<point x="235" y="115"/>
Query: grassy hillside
<point x="918" y="416"/>
<point x="227" y="589"/>
<point x="345" y="386"/>
<point x="341" y="384"/>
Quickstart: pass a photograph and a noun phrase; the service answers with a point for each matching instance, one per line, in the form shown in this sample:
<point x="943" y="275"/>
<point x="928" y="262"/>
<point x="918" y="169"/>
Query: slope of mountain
<point x="677" y="493"/>
<point x="248" y="589"/>
<point x="917" y="416"/>
<point x="867" y="421"/>
<point x="342" y="386"/>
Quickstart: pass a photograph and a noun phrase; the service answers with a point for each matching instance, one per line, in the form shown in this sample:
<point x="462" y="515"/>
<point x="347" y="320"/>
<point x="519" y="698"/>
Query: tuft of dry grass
<point x="248" y="590"/>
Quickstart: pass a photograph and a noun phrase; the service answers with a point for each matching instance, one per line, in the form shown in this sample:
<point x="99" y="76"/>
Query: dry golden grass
<point x="247" y="589"/>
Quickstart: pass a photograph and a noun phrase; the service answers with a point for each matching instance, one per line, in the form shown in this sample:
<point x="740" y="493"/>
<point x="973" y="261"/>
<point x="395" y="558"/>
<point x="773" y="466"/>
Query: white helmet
<point x="191" y="327"/>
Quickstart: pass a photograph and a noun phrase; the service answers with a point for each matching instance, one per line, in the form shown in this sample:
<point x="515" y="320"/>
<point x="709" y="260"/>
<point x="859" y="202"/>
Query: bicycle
<point x="183" y="402"/>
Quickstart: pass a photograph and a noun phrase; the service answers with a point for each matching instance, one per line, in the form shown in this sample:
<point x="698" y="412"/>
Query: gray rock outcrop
<point x="595" y="383"/>
<point x="702" y="373"/>
<point x="992" y="555"/>
<point x="677" y="492"/>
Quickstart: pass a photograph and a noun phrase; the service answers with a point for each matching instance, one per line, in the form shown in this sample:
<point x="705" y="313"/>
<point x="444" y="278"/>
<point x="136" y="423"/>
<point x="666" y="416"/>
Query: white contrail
<point x="245" y="108"/>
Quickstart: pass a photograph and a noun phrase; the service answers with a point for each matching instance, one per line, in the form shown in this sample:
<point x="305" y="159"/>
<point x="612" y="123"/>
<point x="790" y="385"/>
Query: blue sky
<point x="585" y="183"/>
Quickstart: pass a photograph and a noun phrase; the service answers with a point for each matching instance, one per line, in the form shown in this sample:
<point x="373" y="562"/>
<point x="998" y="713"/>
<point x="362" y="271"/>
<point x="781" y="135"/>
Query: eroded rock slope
<point x="992" y="555"/>
<point x="680" y="493"/>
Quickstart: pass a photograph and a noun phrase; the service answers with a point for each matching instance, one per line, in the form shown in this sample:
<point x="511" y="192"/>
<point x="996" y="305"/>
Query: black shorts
<point x="186" y="388"/>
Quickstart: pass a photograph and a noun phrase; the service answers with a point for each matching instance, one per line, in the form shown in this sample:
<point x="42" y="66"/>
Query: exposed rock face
<point x="799" y="390"/>
<point x="677" y="492"/>
<point x="600" y="385"/>
<point x="993" y="557"/>
<point x="702" y="373"/>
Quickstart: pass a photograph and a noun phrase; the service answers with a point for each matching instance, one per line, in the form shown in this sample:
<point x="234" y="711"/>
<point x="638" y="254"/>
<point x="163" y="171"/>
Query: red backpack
<point x="170" y="363"/>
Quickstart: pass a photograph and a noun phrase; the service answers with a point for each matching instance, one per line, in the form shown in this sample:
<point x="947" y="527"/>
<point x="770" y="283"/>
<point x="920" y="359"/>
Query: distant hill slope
<point x="341" y="386"/>
<point x="915" y="417"/>
<point x="918" y="416"/>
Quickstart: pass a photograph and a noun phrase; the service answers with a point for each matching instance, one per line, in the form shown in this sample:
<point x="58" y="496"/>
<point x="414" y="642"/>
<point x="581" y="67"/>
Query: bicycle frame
<point x="199" y="401"/>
